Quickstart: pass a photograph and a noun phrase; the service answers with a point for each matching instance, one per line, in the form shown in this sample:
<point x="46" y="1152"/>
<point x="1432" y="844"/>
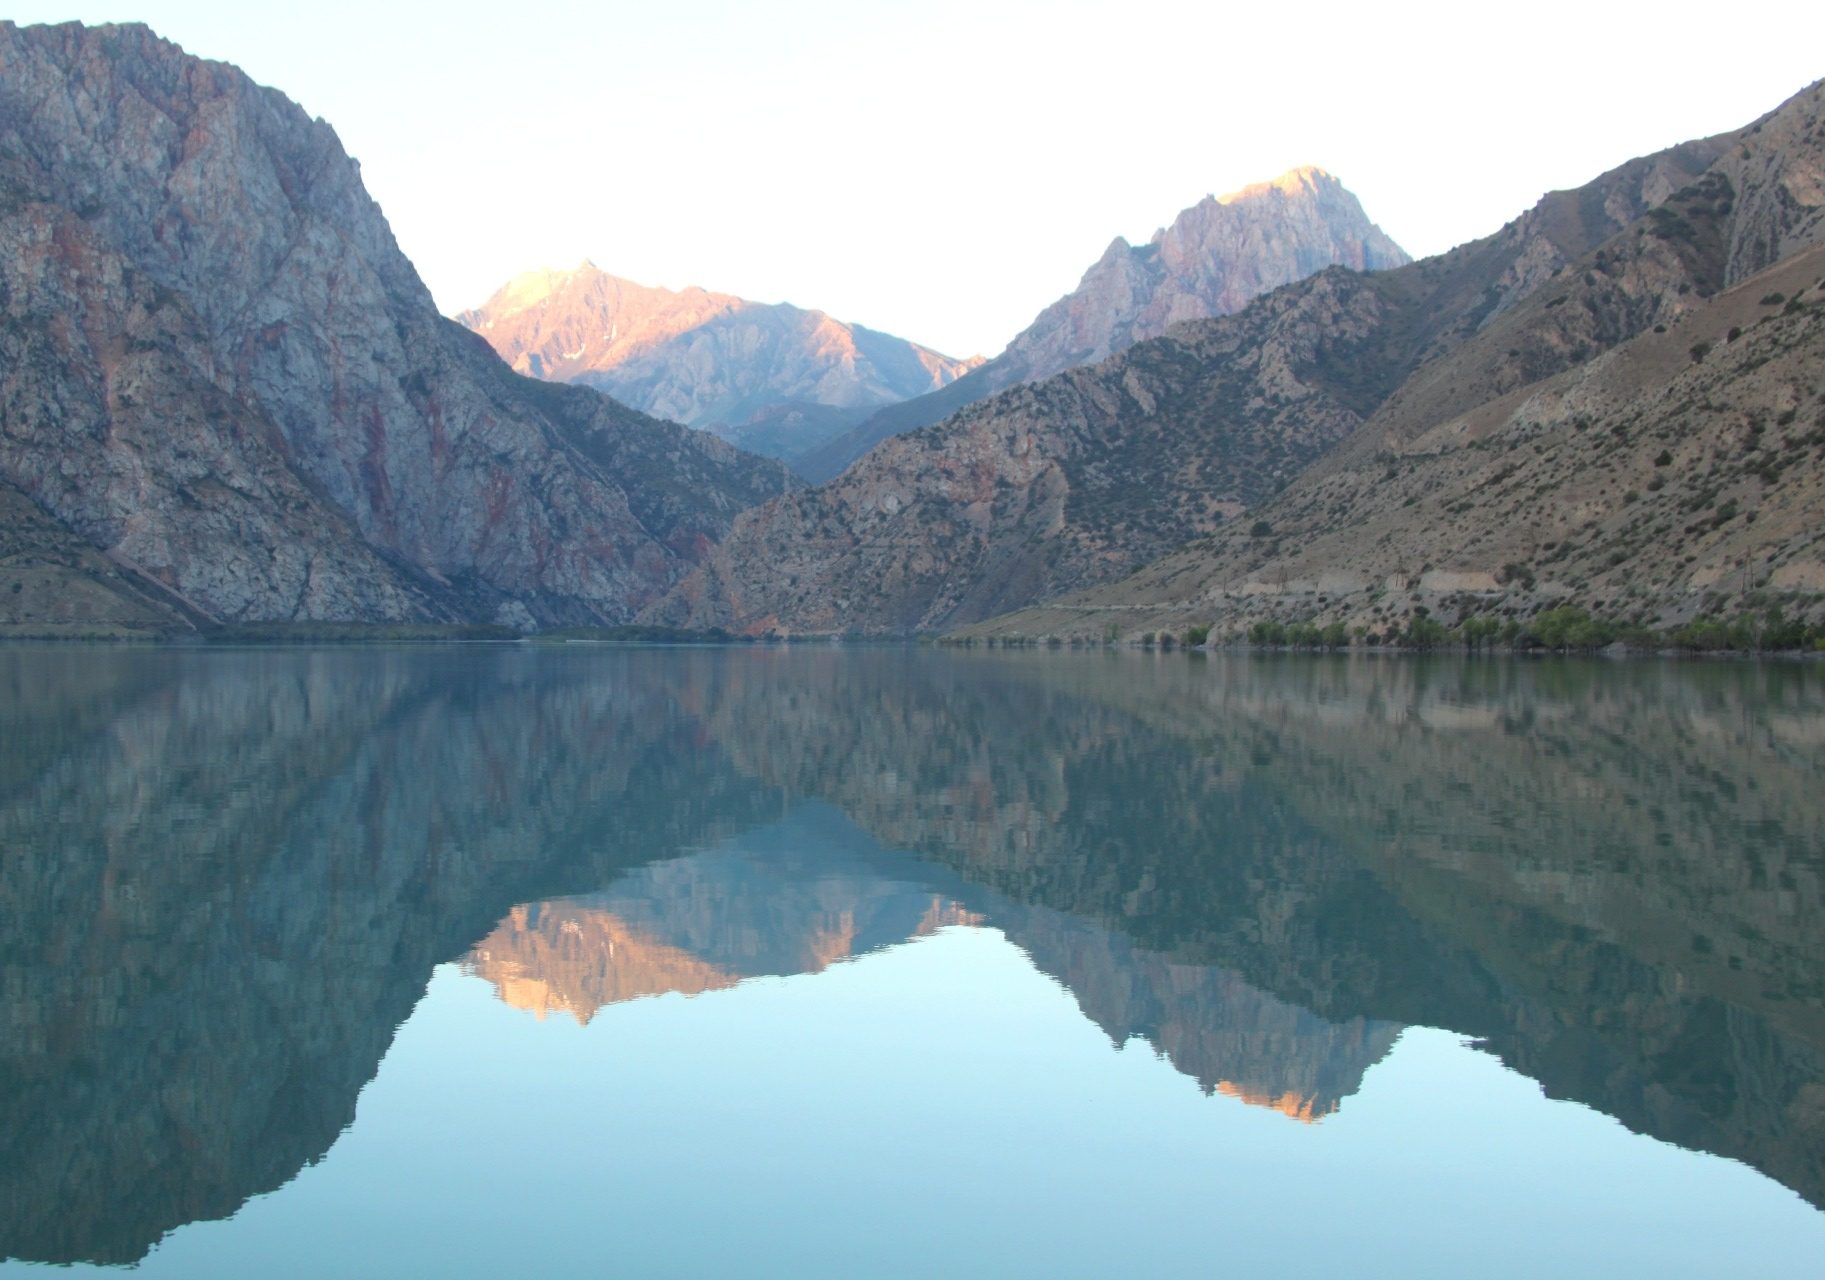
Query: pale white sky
<point x="943" y="170"/>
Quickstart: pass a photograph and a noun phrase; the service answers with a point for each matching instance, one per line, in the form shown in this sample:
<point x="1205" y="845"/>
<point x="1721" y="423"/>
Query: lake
<point x="812" y="961"/>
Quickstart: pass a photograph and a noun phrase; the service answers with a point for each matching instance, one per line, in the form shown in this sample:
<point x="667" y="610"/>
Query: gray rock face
<point x="777" y="379"/>
<point x="1213" y="260"/>
<point x="219" y="368"/>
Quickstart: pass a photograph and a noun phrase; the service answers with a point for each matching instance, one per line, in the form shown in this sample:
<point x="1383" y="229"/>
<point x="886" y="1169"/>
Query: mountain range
<point x="1397" y="438"/>
<point x="774" y="379"/>
<point x="1641" y="433"/>
<point x="227" y="397"/>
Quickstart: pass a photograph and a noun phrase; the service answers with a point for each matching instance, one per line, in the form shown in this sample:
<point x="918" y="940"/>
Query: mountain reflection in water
<point x="815" y="890"/>
<point x="228" y="876"/>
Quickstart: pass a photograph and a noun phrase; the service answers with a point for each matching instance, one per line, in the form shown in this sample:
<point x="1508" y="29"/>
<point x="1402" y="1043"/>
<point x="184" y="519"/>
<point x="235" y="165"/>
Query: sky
<point x="944" y="170"/>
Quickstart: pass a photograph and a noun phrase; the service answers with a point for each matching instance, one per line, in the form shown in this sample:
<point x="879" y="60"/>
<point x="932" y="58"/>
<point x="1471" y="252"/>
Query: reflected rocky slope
<point x="229" y="875"/>
<point x="1612" y="873"/>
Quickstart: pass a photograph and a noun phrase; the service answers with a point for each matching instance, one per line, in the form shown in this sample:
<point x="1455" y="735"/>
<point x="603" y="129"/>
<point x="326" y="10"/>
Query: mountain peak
<point x="1212" y="260"/>
<point x="775" y="378"/>
<point x="1303" y="179"/>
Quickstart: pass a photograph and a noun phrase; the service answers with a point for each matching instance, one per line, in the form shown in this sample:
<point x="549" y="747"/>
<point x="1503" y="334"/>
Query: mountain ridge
<point x="1635" y="438"/>
<point x="773" y="377"/>
<point x="1210" y="260"/>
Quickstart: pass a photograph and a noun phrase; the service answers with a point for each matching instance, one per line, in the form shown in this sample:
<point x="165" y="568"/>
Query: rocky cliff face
<point x="1214" y="259"/>
<point x="775" y="379"/>
<point x="1633" y="427"/>
<point x="224" y="375"/>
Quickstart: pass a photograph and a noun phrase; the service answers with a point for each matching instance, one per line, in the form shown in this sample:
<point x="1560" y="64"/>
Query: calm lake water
<point x="505" y="962"/>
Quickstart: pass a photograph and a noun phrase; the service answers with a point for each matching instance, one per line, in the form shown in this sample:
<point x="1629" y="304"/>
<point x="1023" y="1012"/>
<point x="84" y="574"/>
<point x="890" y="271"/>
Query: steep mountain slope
<point x="1067" y="483"/>
<point x="1540" y="463"/>
<point x="220" y="371"/>
<point x="1045" y="487"/>
<point x="1215" y="257"/>
<point x="1649" y="486"/>
<point x="775" y="379"/>
<point x="55" y="584"/>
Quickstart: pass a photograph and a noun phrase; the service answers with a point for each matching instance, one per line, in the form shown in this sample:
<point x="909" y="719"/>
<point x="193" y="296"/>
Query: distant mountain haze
<point x="1213" y="259"/>
<point x="773" y="378"/>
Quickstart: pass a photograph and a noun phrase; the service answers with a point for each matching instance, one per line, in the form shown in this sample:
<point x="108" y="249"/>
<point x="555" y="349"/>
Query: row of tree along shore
<point x="1567" y="629"/>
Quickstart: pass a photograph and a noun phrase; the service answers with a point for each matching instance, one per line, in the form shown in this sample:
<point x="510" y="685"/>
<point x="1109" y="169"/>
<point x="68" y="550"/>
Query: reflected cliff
<point x="791" y="898"/>
<point x="229" y="875"/>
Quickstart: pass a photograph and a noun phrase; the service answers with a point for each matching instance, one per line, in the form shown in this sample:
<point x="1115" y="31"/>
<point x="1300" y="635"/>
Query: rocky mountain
<point x="774" y="379"/>
<point x="1010" y="500"/>
<point x="1640" y="435"/>
<point x="1044" y="488"/>
<point x="227" y="395"/>
<point x="1212" y="260"/>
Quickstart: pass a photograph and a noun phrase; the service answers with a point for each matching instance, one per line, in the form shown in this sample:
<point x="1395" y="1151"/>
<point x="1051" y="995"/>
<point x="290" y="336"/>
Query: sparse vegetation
<point x="356" y="633"/>
<point x="643" y="635"/>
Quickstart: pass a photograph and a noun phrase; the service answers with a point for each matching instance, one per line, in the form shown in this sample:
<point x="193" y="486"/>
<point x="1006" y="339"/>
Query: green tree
<point x="1426" y="633"/>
